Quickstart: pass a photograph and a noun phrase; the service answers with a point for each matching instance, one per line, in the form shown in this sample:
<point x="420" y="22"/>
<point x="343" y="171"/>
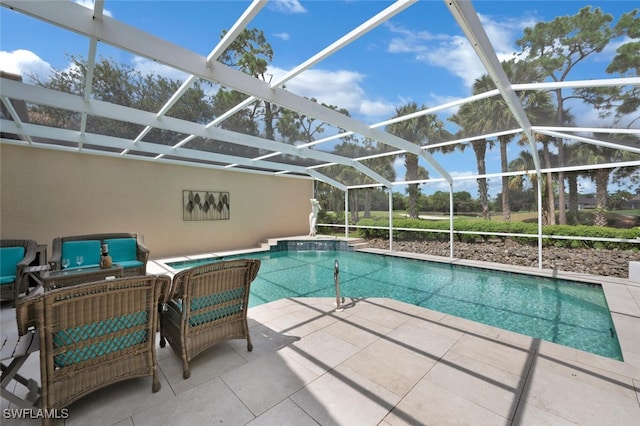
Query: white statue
<point x="313" y="216"/>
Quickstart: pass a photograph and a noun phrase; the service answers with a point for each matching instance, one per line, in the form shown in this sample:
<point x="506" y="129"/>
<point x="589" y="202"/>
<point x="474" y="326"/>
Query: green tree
<point x="122" y="85"/>
<point x="595" y="154"/>
<point x="399" y="201"/>
<point x="439" y="201"/>
<point x="621" y="101"/>
<point x="469" y="118"/>
<point x="522" y="163"/>
<point x="381" y="165"/>
<point x="251" y="53"/>
<point x="492" y="114"/>
<point x="557" y="47"/>
<point x="618" y="200"/>
<point x="420" y="131"/>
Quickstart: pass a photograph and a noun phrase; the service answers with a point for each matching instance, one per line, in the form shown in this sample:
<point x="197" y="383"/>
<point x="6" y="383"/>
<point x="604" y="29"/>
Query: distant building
<point x="634" y="203"/>
<point x="583" y="203"/>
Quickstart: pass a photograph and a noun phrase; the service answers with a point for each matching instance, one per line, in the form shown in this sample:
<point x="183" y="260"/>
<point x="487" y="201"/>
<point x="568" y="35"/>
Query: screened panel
<point x="442" y="95"/>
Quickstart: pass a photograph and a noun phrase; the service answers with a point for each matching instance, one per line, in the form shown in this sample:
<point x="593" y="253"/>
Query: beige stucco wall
<point x="45" y="194"/>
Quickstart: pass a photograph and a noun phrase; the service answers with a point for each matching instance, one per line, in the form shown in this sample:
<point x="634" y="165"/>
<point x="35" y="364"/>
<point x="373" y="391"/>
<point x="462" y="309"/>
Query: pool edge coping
<point x="621" y="307"/>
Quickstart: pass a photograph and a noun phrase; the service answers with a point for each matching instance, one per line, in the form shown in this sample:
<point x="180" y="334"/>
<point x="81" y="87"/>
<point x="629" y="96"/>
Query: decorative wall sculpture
<point x="205" y="205"/>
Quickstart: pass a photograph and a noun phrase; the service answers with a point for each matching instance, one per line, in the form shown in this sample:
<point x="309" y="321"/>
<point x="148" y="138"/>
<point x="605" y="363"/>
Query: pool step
<point x="356" y="243"/>
<point x="359" y="243"/>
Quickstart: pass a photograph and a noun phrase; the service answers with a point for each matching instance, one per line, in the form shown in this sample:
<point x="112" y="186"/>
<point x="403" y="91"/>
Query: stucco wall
<point x="45" y="194"/>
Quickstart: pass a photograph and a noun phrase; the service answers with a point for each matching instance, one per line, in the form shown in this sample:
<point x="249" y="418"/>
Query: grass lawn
<point x="624" y="217"/>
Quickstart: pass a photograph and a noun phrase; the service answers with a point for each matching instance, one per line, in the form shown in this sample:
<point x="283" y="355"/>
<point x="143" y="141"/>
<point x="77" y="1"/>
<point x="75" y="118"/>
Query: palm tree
<point x="523" y="162"/>
<point x="466" y="118"/>
<point x="496" y="116"/>
<point x="595" y="154"/>
<point x="572" y="183"/>
<point x="420" y="130"/>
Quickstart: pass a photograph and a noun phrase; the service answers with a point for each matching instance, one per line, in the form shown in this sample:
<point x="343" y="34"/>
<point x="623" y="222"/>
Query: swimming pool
<point x="561" y="311"/>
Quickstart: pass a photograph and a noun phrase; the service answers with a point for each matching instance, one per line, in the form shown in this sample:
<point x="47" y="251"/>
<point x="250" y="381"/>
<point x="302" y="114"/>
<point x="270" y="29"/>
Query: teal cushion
<point x="129" y="264"/>
<point x="7" y="279"/>
<point x="97" y="329"/>
<point x="122" y="249"/>
<point x="88" y="249"/>
<point x="9" y="258"/>
<point x="202" y="313"/>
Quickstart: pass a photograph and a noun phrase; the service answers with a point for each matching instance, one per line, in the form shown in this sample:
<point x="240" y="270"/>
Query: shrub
<point x="424" y="230"/>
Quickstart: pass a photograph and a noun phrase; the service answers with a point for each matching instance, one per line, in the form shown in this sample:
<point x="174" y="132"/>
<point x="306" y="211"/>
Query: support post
<point x="451" y="220"/>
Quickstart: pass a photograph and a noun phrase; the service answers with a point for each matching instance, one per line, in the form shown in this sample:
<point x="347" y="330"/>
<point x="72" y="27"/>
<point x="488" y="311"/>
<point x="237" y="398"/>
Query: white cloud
<point x="341" y="88"/>
<point x="147" y="66"/>
<point x="282" y="36"/>
<point x="288" y="6"/>
<point x="410" y="41"/>
<point x="454" y="52"/>
<point x="89" y="5"/>
<point x="457" y="56"/>
<point x="609" y="52"/>
<point x="24" y="63"/>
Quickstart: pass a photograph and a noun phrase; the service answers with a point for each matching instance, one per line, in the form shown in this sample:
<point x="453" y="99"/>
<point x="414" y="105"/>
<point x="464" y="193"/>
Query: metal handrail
<point x="336" y="279"/>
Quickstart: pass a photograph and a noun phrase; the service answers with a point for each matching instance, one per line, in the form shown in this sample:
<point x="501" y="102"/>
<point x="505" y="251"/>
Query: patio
<point x="379" y="362"/>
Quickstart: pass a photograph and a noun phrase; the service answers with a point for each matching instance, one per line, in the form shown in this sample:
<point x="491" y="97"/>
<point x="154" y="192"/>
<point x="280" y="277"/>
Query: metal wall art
<point x="205" y="205"/>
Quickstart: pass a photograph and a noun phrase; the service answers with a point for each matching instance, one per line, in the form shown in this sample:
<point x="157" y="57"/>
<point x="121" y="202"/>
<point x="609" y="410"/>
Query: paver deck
<point x="379" y="362"/>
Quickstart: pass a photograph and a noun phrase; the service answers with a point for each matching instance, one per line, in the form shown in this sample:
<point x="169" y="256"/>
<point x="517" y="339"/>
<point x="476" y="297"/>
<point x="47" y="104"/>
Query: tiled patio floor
<point x="378" y="361"/>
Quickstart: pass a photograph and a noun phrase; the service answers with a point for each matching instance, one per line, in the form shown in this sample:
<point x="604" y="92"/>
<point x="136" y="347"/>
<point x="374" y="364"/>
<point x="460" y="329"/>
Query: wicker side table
<point x="68" y="277"/>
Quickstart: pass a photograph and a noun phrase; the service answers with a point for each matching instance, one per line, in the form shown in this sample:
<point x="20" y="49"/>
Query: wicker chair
<point x="95" y="334"/>
<point x="15" y="280"/>
<point x="142" y="252"/>
<point x="208" y="305"/>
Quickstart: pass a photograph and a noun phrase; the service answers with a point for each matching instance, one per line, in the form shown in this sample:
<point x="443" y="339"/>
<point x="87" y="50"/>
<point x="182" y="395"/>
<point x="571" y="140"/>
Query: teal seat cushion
<point x="85" y="332"/>
<point x="88" y="249"/>
<point x="202" y="313"/>
<point x="129" y="263"/>
<point x="205" y="316"/>
<point x="9" y="258"/>
<point x="122" y="249"/>
<point x="7" y="279"/>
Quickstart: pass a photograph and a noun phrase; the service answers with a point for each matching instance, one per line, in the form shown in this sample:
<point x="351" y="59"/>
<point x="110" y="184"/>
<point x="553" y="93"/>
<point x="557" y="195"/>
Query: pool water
<point x="565" y="312"/>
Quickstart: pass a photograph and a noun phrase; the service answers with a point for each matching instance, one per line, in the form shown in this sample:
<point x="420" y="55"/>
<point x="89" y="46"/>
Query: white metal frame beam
<point x="71" y="136"/>
<point x="78" y="19"/>
<point x="44" y="96"/>
<point x="97" y="27"/>
<point x="467" y="18"/>
<point x="361" y="30"/>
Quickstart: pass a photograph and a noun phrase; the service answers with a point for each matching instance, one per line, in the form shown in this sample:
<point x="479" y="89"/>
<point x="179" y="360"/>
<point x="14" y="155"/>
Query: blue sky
<point x="418" y="56"/>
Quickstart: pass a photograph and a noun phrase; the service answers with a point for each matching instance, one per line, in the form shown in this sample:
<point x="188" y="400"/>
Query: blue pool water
<point x="565" y="312"/>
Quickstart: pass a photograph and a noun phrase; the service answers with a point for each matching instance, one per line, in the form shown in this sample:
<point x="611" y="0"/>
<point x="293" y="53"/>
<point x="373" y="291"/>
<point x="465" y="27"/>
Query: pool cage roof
<point x="215" y="145"/>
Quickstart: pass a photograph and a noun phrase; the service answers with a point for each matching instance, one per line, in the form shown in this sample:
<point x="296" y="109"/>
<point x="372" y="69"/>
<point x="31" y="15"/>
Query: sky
<point x="420" y="55"/>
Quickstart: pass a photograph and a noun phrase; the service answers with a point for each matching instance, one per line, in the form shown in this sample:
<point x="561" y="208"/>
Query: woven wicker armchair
<point x="17" y="281"/>
<point x="208" y="305"/>
<point x="140" y="257"/>
<point x="95" y="334"/>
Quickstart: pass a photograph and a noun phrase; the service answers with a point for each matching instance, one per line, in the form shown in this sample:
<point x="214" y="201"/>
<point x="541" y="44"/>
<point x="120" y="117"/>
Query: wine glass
<point x="65" y="263"/>
<point x="79" y="260"/>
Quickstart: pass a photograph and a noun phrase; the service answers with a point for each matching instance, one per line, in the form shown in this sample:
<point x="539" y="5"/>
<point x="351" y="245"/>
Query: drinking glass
<point x="79" y="260"/>
<point x="65" y="263"/>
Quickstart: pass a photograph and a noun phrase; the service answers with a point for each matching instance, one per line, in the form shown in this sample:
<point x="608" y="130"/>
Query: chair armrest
<point x="142" y="252"/>
<point x="29" y="256"/>
<point x="56" y="255"/>
<point x="254" y="268"/>
<point x="165" y="289"/>
<point x="26" y="312"/>
<point x="177" y="285"/>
